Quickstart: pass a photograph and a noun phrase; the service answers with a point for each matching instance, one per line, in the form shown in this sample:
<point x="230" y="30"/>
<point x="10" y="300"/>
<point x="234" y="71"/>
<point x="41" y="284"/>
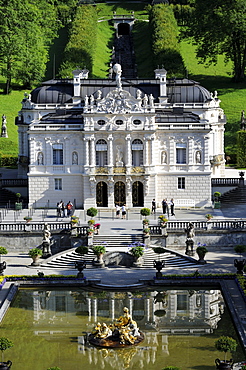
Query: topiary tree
<point x="91" y="212"/>
<point x="3" y="250"/>
<point x="226" y="344"/>
<point x="240" y="249"/>
<point x="5" y="343"/>
<point x="145" y="212"/>
<point x="217" y="194"/>
<point x="82" y="249"/>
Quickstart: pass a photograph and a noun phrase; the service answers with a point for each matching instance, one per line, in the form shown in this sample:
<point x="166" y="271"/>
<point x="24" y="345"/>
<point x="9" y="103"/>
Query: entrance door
<point x="102" y="194"/>
<point x="119" y="193"/>
<point x="137" y="194"/>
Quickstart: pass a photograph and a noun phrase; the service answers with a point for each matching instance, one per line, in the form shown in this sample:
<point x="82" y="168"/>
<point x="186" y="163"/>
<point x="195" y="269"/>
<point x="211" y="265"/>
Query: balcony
<point x="101" y="170"/>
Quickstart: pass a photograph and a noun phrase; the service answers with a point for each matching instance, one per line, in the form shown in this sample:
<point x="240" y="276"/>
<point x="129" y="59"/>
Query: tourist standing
<point x="69" y="209"/>
<point x="123" y="211"/>
<point x="164" y="206"/>
<point x="153" y="209"/>
<point x="172" y="207"/>
<point x="117" y="211"/>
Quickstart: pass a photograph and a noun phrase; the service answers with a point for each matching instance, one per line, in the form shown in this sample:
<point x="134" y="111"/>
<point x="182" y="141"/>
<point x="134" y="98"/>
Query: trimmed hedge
<point x="165" y="47"/>
<point x="80" y="48"/>
<point x="241" y="149"/>
<point x="8" y="160"/>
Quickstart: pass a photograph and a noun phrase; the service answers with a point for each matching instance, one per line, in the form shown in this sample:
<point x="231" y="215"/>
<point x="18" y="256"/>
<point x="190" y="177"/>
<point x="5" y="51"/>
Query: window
<point x="181" y="182"/>
<point x="137" y="122"/>
<point x="58" y="184"/>
<point x="137" y="153"/>
<point x="119" y="122"/>
<point x="101" y="153"/>
<point x="180" y="153"/>
<point x="101" y="122"/>
<point x="57" y="154"/>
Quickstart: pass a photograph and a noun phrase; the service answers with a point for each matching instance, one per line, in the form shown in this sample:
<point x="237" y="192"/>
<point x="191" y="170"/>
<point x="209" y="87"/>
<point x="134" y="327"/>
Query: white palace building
<point x="101" y="142"/>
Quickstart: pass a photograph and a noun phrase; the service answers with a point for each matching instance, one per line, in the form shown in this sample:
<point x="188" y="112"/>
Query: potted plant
<point x="136" y="249"/>
<point x="74" y="220"/>
<point x="217" y="194"/>
<point x="162" y="220"/>
<point x="18" y="204"/>
<point x="145" y="222"/>
<point x="99" y="251"/>
<point x="91" y="222"/>
<point x="96" y="228"/>
<point x="201" y="250"/>
<point x="3" y="250"/>
<point x="82" y="250"/>
<point x="209" y="216"/>
<point x="146" y="231"/>
<point x="90" y="231"/>
<point x="91" y="212"/>
<point x="5" y="344"/>
<point x="225" y="344"/>
<point x="27" y="219"/>
<point x="239" y="264"/>
<point x="35" y="254"/>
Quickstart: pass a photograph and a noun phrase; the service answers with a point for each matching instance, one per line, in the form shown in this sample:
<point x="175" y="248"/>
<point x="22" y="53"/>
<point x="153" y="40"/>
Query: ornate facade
<point x="117" y="141"/>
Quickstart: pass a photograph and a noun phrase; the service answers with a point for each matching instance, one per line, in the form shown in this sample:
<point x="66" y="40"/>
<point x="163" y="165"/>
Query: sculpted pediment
<point x="119" y="101"/>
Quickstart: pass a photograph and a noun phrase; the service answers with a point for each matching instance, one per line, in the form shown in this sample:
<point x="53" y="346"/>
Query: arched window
<point x="137" y="153"/>
<point x="101" y="153"/>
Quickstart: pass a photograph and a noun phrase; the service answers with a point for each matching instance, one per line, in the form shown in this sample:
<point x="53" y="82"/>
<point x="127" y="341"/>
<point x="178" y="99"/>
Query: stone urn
<point x="223" y="365"/>
<point x="158" y="265"/>
<point x="99" y="261"/>
<point x="239" y="264"/>
<point x="138" y="262"/>
<point x="80" y="266"/>
<point x="5" y="365"/>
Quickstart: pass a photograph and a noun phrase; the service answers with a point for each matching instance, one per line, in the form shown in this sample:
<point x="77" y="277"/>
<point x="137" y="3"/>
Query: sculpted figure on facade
<point x="119" y="156"/>
<point x="164" y="157"/>
<point x="75" y="158"/>
<point x="4" y="126"/>
<point x="117" y="70"/>
<point x="151" y="100"/>
<point x="198" y="156"/>
<point x="40" y="158"/>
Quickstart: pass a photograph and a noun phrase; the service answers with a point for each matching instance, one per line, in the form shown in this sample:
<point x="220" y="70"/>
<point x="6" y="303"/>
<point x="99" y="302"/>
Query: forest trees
<point x="26" y="30"/>
<point x="219" y="27"/>
<point x="165" y="47"/>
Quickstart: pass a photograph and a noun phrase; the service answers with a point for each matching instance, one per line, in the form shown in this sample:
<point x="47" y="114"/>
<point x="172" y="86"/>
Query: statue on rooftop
<point x="4" y="127"/>
<point x="118" y="71"/>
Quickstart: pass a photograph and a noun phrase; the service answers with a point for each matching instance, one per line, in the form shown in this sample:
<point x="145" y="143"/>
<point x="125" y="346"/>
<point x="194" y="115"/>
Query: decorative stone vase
<point x="223" y="365"/>
<point x="35" y="260"/>
<point x="239" y="264"/>
<point x="158" y="265"/>
<point x="5" y="365"/>
<point x="99" y="261"/>
<point x="80" y="265"/>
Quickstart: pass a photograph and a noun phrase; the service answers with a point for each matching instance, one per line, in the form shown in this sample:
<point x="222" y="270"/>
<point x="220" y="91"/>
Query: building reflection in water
<point x="158" y="313"/>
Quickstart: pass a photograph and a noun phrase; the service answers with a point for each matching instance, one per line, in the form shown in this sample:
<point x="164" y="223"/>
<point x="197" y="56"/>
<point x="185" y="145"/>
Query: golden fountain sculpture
<point x="123" y="332"/>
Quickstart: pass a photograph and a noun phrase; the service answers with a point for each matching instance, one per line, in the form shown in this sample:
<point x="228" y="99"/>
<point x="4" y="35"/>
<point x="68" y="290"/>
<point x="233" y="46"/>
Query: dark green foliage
<point x="80" y="48"/>
<point x="5" y="343"/>
<point x="82" y="249"/>
<point x="226" y="344"/>
<point x="171" y="368"/>
<point x="182" y="13"/>
<point x="92" y="212"/>
<point x="241" y="149"/>
<point x="8" y="161"/>
<point x="158" y="250"/>
<point x="219" y="27"/>
<point x="165" y="47"/>
<point x="145" y="211"/>
<point x="240" y="249"/>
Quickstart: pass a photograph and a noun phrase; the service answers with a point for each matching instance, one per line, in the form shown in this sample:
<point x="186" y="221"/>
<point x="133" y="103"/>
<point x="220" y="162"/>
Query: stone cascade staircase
<point x="124" y="55"/>
<point x="66" y="260"/>
<point x="234" y="196"/>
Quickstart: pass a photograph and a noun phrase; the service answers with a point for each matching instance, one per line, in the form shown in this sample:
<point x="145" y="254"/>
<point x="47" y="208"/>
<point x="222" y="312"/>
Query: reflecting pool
<point x="48" y="328"/>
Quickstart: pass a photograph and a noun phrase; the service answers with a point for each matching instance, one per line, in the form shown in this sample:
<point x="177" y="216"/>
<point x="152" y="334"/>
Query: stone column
<point x="110" y="151"/>
<point x="128" y="151"/>
<point x="92" y="151"/>
<point x="191" y="151"/>
<point x="152" y="161"/>
<point x="146" y="152"/>
<point x="206" y="154"/>
<point x="172" y="153"/>
<point x="86" y="140"/>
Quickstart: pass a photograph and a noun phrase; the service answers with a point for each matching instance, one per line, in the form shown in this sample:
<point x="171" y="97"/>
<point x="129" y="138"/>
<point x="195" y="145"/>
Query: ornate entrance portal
<point x="102" y="194"/>
<point x="120" y="193"/>
<point x="137" y="194"/>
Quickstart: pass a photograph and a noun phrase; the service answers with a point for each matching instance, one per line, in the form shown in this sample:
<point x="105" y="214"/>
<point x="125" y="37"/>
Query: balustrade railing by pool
<point x="154" y="229"/>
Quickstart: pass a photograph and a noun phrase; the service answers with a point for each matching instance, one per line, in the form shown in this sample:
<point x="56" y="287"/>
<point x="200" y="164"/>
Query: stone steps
<point x="67" y="260"/>
<point x="234" y="196"/>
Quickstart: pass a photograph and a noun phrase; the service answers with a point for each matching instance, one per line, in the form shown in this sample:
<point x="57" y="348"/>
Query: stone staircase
<point x="66" y="260"/>
<point x="234" y="196"/>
